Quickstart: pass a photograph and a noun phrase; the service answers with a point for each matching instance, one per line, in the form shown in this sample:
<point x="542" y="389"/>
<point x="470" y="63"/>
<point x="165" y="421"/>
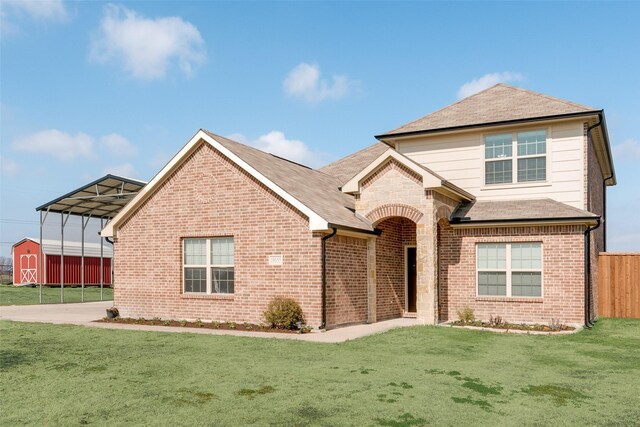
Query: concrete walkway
<point x="84" y="314"/>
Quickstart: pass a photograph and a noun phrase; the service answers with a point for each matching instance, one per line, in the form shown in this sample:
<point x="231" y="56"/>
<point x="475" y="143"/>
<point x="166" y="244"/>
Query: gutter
<point x="323" y="325"/>
<point x="481" y="125"/>
<point x="565" y="220"/>
<point x="587" y="275"/>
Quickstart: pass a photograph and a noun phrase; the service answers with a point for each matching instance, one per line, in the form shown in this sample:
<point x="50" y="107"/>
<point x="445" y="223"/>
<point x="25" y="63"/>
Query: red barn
<point x="27" y="268"/>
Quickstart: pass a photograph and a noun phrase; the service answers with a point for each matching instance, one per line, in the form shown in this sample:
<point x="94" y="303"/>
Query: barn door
<point x="28" y="268"/>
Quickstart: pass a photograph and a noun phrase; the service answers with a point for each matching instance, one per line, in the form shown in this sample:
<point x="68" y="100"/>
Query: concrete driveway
<point x="85" y="313"/>
<point x="74" y="314"/>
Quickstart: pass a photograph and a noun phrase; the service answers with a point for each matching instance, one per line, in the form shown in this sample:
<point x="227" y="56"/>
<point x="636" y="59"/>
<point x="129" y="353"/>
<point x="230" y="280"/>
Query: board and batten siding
<point x="459" y="158"/>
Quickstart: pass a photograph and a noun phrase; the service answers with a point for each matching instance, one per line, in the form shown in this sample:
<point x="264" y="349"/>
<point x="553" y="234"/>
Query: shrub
<point x="466" y="315"/>
<point x="113" y="313"/>
<point x="497" y="321"/>
<point x="284" y="313"/>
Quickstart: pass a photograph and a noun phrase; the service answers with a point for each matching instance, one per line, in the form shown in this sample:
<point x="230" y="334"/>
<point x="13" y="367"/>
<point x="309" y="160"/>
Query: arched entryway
<point x="396" y="261"/>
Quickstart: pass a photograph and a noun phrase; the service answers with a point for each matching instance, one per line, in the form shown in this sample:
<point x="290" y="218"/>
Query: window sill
<point x="515" y="185"/>
<point x="227" y="297"/>
<point x="510" y="299"/>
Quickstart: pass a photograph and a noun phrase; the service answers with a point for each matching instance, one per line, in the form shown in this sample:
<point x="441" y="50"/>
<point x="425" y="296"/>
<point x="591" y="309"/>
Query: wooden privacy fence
<point x="619" y="284"/>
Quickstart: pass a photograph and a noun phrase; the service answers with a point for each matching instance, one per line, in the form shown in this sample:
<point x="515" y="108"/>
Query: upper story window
<point x="530" y="157"/>
<point x="208" y="265"/>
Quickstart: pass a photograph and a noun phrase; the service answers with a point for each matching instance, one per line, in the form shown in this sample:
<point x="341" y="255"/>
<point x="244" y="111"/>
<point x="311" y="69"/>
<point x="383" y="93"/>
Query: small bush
<point x="466" y="315"/>
<point x="215" y="324"/>
<point x="231" y="325"/>
<point x="284" y="313"/>
<point x="497" y="321"/>
<point x="557" y="325"/>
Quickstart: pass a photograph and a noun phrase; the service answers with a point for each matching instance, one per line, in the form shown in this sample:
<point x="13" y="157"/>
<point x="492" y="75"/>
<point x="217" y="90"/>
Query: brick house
<point x="496" y="203"/>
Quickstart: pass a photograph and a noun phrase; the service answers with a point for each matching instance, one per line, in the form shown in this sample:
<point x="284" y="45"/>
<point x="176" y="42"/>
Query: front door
<point x="411" y="279"/>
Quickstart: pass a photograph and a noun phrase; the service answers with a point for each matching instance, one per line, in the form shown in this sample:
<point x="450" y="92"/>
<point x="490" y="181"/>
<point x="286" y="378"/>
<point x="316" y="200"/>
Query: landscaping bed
<point x="229" y="326"/>
<point x="506" y="326"/>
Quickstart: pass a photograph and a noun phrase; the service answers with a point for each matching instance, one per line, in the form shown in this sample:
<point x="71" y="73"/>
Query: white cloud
<point x="126" y="170"/>
<point x="146" y="47"/>
<point x="628" y="150"/>
<point x="45" y="10"/>
<point x="481" y="83"/>
<point x="58" y="144"/>
<point x="118" y="145"/>
<point x="275" y="142"/>
<point x="8" y="167"/>
<point x="305" y="82"/>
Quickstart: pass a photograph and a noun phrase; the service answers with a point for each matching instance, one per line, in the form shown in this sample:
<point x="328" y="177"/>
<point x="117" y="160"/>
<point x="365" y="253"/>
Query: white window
<point x="208" y="265"/>
<point x="530" y="159"/>
<point x="509" y="269"/>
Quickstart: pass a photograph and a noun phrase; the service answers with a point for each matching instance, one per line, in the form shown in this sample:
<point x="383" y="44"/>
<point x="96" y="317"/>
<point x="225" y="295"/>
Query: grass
<point x="71" y="375"/>
<point x="22" y="295"/>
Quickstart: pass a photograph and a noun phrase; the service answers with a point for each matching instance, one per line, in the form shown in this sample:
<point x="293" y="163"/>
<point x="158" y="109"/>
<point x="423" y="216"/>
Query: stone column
<point x="426" y="266"/>
<point x="371" y="280"/>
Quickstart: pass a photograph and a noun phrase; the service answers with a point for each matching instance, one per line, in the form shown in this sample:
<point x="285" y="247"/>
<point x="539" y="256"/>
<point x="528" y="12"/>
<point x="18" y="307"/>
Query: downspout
<point x="324" y="276"/>
<point x="588" y="321"/>
<point x="587" y="274"/>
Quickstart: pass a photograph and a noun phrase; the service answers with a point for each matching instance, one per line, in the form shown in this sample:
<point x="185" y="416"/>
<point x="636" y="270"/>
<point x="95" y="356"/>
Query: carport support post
<point x="63" y="222"/>
<point x="101" y="257"/>
<point x="84" y="225"/>
<point x="40" y="263"/>
<point x="42" y="269"/>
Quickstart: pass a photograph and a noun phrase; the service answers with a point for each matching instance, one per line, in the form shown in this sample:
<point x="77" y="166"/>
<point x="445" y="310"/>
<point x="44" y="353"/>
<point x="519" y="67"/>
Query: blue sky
<point x="88" y="88"/>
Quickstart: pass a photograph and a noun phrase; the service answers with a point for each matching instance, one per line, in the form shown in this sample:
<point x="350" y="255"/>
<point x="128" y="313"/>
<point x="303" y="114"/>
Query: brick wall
<point x="396" y="234"/>
<point x="595" y="205"/>
<point x="208" y="196"/>
<point x="563" y="274"/>
<point x="346" y="280"/>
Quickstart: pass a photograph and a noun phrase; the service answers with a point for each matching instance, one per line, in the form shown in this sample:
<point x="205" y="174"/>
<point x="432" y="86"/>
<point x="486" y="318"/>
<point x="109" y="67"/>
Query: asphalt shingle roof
<point x="346" y="168"/>
<point x="545" y="209"/>
<point x="499" y="103"/>
<point x="317" y="190"/>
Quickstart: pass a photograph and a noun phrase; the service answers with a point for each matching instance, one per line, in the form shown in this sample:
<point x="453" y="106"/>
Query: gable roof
<point x="315" y="189"/>
<point x="519" y="211"/>
<point x="498" y="104"/>
<point x="347" y="167"/>
<point x="314" y="193"/>
<point x="430" y="179"/>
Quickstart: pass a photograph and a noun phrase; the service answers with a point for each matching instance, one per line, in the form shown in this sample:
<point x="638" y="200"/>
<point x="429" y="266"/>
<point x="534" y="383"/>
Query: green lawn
<point x="71" y="375"/>
<point x="22" y="295"/>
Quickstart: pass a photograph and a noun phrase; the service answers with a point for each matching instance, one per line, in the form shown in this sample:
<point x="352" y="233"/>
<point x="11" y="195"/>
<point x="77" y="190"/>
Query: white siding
<point x="459" y="158"/>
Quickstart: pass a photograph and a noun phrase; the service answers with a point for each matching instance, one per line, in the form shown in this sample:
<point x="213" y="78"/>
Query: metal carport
<point x="103" y="199"/>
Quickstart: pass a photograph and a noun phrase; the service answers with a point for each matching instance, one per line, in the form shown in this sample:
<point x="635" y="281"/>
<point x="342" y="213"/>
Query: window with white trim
<point x="208" y="265"/>
<point x="530" y="158"/>
<point x="509" y="269"/>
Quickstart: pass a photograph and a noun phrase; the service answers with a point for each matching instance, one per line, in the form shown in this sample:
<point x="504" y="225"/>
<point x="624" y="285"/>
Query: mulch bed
<point x="514" y="326"/>
<point x="229" y="326"/>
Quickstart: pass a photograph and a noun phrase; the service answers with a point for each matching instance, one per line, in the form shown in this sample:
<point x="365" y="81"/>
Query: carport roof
<point x="104" y="197"/>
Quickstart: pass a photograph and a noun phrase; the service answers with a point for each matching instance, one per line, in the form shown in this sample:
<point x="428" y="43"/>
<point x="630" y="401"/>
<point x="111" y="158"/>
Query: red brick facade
<point x="208" y="197"/>
<point x="563" y="274"/>
<point x="346" y="280"/>
<point x="594" y="202"/>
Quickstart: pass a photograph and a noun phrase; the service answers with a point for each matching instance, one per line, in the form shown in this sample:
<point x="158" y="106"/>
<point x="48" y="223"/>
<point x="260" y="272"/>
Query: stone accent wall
<point x="208" y="196"/>
<point x="390" y="265"/>
<point x="346" y="280"/>
<point x="394" y="190"/>
<point x="595" y="198"/>
<point x="563" y="274"/>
